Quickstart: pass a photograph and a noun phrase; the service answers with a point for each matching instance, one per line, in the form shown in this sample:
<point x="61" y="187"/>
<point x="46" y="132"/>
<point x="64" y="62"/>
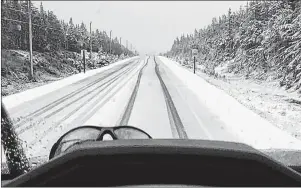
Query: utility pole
<point x="30" y="40"/>
<point x="120" y="45"/>
<point x="111" y="42"/>
<point x="126" y="44"/>
<point x="90" y="41"/>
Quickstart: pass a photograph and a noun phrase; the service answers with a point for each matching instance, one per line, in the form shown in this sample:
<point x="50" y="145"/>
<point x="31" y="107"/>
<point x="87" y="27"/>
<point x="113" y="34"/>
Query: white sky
<point x="151" y="26"/>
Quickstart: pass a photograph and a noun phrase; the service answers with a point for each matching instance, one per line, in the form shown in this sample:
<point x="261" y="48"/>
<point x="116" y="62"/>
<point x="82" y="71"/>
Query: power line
<point x="16" y="10"/>
<point x="7" y="19"/>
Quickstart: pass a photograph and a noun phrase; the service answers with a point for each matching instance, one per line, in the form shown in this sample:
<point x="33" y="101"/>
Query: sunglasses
<point x="94" y="133"/>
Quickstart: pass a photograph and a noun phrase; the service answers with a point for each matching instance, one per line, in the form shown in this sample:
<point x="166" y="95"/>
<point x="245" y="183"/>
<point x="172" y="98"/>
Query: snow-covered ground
<point x="112" y="111"/>
<point x="149" y="110"/>
<point x="47" y="125"/>
<point x="198" y="121"/>
<point x="206" y="111"/>
<point x="18" y="98"/>
<point x="278" y="106"/>
<point x="248" y="126"/>
<point x="102" y="110"/>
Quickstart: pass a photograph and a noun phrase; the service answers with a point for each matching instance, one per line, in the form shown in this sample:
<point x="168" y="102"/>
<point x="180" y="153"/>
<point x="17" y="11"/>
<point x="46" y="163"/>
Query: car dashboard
<point x="160" y="162"/>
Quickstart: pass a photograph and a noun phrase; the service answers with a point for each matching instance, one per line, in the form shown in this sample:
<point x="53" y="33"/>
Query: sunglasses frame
<point x="102" y="132"/>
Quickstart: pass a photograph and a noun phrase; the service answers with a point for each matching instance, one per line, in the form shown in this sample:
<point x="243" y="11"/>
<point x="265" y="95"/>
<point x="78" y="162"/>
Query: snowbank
<point x="249" y="127"/>
<point x="18" y="98"/>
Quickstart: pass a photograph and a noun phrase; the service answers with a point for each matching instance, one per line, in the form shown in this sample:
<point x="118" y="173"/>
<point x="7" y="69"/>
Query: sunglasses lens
<point x="76" y="136"/>
<point x="130" y="133"/>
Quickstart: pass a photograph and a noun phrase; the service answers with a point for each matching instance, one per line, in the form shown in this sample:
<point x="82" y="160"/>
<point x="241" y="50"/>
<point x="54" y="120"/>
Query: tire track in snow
<point x="128" y="110"/>
<point x="53" y="104"/>
<point x="89" y="115"/>
<point x="29" y="126"/>
<point x="54" y="126"/>
<point x="174" y="118"/>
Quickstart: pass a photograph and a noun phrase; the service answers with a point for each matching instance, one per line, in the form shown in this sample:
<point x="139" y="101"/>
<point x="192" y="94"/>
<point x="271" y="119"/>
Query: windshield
<point x="226" y="71"/>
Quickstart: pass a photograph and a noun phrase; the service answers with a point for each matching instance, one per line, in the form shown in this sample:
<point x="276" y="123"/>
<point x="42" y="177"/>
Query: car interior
<point x="159" y="162"/>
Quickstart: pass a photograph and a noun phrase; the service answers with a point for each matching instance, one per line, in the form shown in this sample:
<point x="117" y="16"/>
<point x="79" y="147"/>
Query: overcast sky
<point x="151" y="26"/>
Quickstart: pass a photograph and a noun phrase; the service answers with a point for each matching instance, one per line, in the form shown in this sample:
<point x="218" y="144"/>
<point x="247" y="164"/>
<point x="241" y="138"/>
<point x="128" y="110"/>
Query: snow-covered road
<point x="149" y="110"/>
<point x="199" y="122"/>
<point x="149" y="93"/>
<point x="244" y="125"/>
<point x="41" y="121"/>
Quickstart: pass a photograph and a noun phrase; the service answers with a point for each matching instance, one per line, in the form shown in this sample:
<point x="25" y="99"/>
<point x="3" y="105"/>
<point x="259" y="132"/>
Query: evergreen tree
<point x="260" y="37"/>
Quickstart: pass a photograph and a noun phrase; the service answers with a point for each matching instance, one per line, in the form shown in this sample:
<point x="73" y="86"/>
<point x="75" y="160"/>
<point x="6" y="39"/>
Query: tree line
<point x="50" y="33"/>
<point x="261" y="37"/>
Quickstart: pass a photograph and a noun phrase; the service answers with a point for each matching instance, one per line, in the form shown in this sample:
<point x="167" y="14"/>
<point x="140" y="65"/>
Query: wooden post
<point x="84" y="60"/>
<point x="193" y="64"/>
<point x="30" y="40"/>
